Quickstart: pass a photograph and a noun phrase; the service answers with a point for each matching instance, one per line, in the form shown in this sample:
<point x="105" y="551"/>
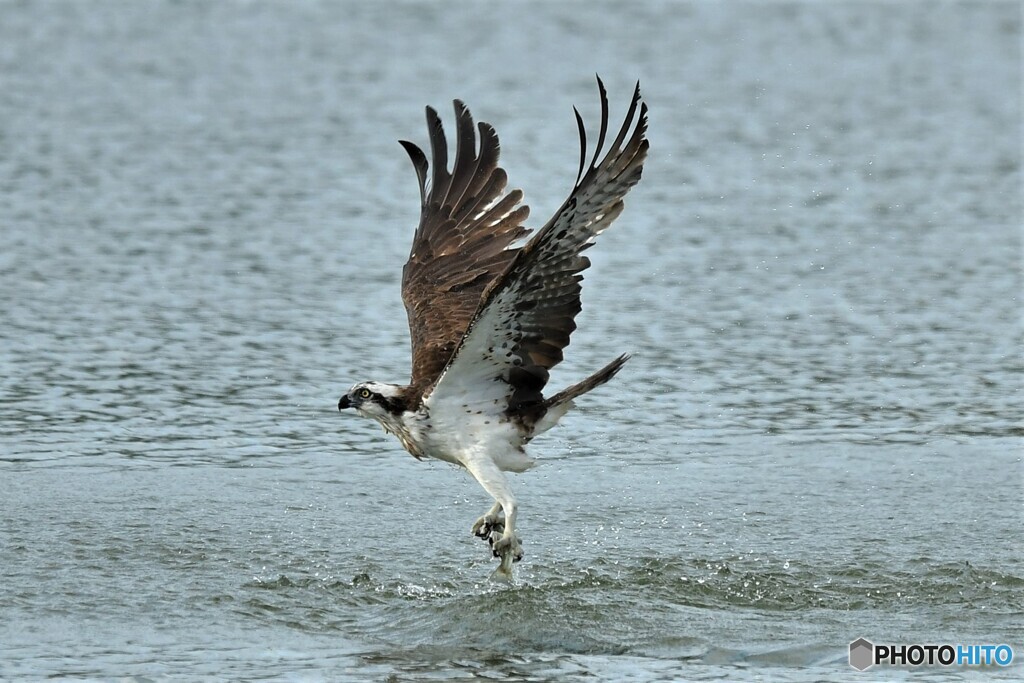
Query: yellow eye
<point x="365" y="393"/>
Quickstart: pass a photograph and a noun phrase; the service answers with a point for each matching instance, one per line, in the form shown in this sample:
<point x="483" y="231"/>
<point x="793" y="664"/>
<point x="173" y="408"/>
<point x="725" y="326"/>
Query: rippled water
<point x="204" y="216"/>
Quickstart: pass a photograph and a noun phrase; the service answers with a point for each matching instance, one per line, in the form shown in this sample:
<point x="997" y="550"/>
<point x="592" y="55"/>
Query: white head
<point x="381" y="401"/>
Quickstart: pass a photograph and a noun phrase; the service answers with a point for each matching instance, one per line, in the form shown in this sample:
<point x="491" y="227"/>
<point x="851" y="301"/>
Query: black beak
<point x="343" y="403"/>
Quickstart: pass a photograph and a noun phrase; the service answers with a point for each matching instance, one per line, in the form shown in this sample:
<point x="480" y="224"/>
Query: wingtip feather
<point x="583" y="144"/>
<point x="419" y="164"/>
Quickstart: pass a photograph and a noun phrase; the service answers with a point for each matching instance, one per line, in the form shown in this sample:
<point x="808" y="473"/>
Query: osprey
<point x="490" y="316"/>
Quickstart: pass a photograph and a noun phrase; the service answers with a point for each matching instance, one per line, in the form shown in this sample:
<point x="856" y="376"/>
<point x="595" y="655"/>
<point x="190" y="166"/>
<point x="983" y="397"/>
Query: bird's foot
<point x="487" y="526"/>
<point x="506" y="546"/>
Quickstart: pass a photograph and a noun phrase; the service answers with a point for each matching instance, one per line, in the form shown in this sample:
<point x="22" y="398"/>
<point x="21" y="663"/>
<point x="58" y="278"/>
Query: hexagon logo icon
<point x="862" y="654"/>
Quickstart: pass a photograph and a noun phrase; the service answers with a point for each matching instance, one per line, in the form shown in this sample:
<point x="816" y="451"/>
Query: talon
<point x="506" y="545"/>
<point x="485" y="526"/>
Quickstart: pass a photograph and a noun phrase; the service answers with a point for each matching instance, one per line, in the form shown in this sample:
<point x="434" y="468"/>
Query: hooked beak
<point x="343" y="403"/>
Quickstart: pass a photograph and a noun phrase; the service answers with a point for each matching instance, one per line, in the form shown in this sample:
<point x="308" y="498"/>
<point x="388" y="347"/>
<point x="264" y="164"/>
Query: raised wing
<point x="526" y="317"/>
<point x="467" y="223"/>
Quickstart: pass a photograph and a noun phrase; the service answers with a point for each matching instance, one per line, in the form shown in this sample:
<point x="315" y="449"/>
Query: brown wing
<point x="467" y="223"/>
<point x="527" y="315"/>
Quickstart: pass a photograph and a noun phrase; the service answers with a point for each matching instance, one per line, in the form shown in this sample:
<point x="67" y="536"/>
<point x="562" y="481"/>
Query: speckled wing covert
<point x="527" y="315"/>
<point x="462" y="243"/>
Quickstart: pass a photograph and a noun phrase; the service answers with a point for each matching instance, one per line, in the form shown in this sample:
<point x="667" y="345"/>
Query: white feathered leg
<point x="490" y="476"/>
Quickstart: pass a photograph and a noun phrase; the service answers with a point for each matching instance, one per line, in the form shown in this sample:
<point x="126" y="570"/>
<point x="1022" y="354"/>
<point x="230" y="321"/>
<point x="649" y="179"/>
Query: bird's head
<point x="375" y="399"/>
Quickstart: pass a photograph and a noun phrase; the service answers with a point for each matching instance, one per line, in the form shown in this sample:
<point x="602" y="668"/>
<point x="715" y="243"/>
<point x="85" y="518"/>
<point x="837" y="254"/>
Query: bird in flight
<point x="490" y="312"/>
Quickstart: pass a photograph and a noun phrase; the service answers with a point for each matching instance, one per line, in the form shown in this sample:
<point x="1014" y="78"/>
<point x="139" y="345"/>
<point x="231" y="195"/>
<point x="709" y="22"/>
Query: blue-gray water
<point x="204" y="214"/>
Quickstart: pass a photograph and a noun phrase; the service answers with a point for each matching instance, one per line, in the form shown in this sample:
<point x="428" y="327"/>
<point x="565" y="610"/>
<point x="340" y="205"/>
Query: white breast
<point x="460" y="430"/>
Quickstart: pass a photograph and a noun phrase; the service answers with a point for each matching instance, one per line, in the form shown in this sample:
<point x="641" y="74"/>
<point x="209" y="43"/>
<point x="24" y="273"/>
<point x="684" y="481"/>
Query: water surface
<point x="205" y="214"/>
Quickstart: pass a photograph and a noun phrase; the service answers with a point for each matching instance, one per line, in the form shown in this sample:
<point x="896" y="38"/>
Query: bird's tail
<point x="592" y="382"/>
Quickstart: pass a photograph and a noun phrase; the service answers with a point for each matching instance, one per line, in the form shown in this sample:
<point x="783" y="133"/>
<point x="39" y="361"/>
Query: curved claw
<point x="486" y="526"/>
<point x="505" y="546"/>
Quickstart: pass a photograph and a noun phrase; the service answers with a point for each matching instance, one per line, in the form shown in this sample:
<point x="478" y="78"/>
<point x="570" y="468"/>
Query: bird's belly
<point x="500" y="439"/>
<point x="440" y="452"/>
